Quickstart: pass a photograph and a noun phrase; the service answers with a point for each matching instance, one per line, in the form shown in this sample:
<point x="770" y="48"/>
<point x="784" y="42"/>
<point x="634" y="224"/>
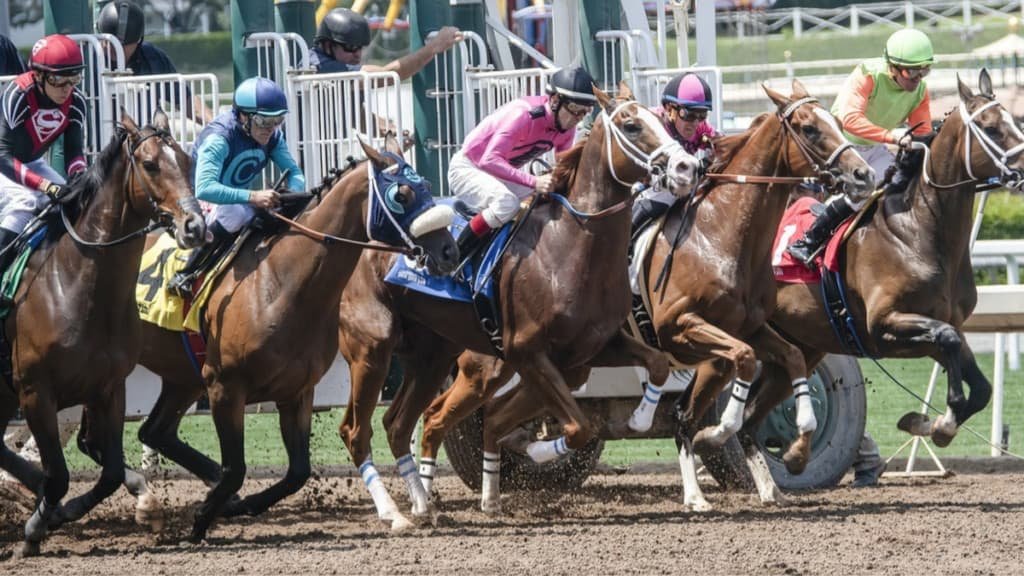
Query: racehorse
<point x="271" y="326"/>
<point x="562" y="292"/>
<point x="715" y="296"/>
<point x="909" y="284"/>
<point x="74" y="329"/>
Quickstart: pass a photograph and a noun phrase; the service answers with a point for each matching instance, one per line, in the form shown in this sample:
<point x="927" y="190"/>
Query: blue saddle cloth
<point x="475" y="277"/>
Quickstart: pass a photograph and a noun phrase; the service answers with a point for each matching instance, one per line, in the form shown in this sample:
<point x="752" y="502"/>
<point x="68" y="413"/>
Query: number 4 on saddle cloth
<point x="474" y="282"/>
<point x="797" y="219"/>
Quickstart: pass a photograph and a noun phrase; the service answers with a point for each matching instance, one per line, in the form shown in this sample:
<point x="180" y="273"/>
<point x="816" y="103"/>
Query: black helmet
<point x="573" y="84"/>
<point x="123" y="19"/>
<point x="344" y="26"/>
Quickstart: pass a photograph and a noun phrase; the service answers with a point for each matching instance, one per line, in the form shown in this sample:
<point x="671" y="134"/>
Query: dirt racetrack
<point x="616" y="524"/>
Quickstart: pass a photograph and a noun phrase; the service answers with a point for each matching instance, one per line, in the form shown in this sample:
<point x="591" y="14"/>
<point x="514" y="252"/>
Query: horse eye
<point x="632" y="127"/>
<point x="992" y="131"/>
<point x="400" y="196"/>
<point x="810" y="131"/>
<point x="151" y="166"/>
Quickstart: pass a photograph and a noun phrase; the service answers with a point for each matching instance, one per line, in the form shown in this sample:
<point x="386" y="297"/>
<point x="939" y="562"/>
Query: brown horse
<point x="271" y="329"/>
<point x="716" y="294"/>
<point x="74" y="331"/>
<point x="562" y="290"/>
<point x="908" y="279"/>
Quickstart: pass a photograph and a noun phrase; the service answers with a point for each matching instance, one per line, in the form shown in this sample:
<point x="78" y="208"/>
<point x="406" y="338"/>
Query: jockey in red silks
<point x="488" y="173"/>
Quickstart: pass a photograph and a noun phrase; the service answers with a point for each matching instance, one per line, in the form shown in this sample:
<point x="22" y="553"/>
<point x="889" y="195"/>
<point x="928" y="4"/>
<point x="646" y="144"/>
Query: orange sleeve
<point x="852" y="109"/>
<point x="922" y="115"/>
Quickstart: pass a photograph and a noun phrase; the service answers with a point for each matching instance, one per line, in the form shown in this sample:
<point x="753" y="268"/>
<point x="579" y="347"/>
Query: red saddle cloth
<point x="797" y="219"/>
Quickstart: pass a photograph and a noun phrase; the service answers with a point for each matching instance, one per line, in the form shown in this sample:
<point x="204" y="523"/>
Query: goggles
<point x="63" y="81"/>
<point x="261" y="121"/>
<point x="349" y="47"/>
<point x="915" y="73"/>
<point x="694" y="115"/>
<point x="577" y="110"/>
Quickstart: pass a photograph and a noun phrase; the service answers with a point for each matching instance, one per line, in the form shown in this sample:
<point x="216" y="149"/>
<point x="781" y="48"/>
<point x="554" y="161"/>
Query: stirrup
<point x="180" y="285"/>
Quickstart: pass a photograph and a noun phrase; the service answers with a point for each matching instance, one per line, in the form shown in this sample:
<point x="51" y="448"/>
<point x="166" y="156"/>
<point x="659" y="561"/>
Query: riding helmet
<point x="260" y="96"/>
<point x="123" y="19"/>
<point x="56" y="54"/>
<point x="344" y="26"/>
<point x="687" y="90"/>
<point x="909" y="48"/>
<point x="573" y="84"/>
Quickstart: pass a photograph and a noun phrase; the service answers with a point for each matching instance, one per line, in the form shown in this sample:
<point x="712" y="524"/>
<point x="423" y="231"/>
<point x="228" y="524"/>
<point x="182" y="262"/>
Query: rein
<point x="163" y="218"/>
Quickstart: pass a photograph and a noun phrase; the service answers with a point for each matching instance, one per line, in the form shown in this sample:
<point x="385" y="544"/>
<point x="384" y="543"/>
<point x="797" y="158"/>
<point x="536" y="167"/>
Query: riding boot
<point x="198" y="261"/>
<point x="472" y="236"/>
<point x="646" y="210"/>
<point x="6" y="240"/>
<point x="805" y="249"/>
<point x="907" y="168"/>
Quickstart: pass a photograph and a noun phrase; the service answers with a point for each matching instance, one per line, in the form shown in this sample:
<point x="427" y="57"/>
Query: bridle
<point x="161" y="217"/>
<point x="633" y="152"/>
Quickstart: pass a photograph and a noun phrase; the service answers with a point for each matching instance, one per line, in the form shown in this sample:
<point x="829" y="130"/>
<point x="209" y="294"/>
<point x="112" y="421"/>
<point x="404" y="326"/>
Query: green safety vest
<point x="889" y="105"/>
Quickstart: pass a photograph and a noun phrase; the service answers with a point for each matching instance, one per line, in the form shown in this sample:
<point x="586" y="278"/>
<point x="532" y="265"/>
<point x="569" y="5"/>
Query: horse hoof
<point x="491" y="508"/>
<point x="516" y="441"/>
<point x="27" y="549"/>
<point x="795" y="461"/>
<point x="776" y="498"/>
<point x="915" y="424"/>
<point x="699" y="506"/>
<point x="401" y="524"/>
<point x="941" y="436"/>
<point x="706" y="440"/>
<point x="148" y="512"/>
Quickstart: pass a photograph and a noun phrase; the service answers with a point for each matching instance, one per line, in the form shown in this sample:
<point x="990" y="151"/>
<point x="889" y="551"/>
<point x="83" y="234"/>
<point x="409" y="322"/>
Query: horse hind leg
<point x="295" y="422"/>
<point x="622" y="350"/>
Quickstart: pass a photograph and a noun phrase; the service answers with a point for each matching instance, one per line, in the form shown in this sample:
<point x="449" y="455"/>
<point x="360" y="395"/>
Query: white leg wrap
<point x="692" y="496"/>
<point x="386" y="508"/>
<point x="428" y="467"/>
<point x="732" y="417"/>
<point x="643" y="416"/>
<point x="417" y="495"/>
<point x="490" y="496"/>
<point x="547" y="450"/>
<point x="805" y="420"/>
<point x="767" y="490"/>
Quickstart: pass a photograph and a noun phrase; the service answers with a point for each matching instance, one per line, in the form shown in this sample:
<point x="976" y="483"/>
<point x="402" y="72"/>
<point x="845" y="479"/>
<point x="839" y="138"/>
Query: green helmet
<point x="910" y="48"/>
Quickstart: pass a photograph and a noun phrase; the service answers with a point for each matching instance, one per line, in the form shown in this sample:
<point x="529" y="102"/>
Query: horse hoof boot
<point x="27" y="549"/>
<point x="915" y="423"/>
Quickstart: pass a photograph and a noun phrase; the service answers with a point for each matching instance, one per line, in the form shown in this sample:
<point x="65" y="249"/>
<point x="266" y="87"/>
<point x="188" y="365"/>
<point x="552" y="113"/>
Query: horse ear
<point x="964" y="89"/>
<point x="603" y="99"/>
<point x="391" y="143"/>
<point x="127" y="122"/>
<point x="985" y="83"/>
<point x="160" y="121"/>
<point x="624" y="91"/>
<point x="779" y="99"/>
<point x="378" y="159"/>
<point x="798" y="89"/>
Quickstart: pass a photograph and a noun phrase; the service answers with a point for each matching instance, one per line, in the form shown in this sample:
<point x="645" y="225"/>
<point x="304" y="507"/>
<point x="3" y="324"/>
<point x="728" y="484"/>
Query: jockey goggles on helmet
<point x="261" y="121"/>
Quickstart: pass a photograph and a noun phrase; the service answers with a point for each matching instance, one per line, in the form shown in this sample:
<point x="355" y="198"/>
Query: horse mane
<point x="84" y="187"/>
<point x="564" y="174"/>
<point x="727" y="146"/>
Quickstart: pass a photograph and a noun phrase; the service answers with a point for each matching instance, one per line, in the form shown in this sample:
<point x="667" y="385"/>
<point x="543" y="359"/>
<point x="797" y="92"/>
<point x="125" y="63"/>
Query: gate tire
<point x="835" y="443"/>
<point x="464" y="447"/>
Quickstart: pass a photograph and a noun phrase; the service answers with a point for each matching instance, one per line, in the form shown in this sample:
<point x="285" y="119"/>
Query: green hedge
<point x="1004" y="217"/>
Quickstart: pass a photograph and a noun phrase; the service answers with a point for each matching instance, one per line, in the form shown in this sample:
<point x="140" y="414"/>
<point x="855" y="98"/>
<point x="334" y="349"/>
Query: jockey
<point x="685" y="103"/>
<point x="230" y="153"/>
<point x="343" y="34"/>
<point x="488" y="175"/>
<point x="37" y="107"/>
<point x="879" y="96"/>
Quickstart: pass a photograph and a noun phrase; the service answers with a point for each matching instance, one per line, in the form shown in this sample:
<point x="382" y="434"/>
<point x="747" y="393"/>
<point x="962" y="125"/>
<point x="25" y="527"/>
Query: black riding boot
<point x="908" y="165"/>
<point x="198" y="261"/>
<point x="6" y="240"/>
<point x="806" y="248"/>
<point x="646" y="210"/>
<point x="469" y="242"/>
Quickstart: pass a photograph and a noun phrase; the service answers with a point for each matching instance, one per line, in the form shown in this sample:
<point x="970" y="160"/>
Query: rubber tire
<point x="835" y="443"/>
<point x="464" y="447"/>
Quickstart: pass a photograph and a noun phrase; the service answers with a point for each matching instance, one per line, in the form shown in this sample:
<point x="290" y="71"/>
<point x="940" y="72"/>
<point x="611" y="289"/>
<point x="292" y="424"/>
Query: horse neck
<point x="594" y="188"/>
<point x="940" y="217"/>
<point x="312" y="267"/>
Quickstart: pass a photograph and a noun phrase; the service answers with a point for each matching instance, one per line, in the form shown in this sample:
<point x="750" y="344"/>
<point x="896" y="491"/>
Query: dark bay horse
<point x="563" y="293"/>
<point x="75" y="332"/>
<point x="909" y="280"/>
<point x="271" y="327"/>
<point x="717" y="293"/>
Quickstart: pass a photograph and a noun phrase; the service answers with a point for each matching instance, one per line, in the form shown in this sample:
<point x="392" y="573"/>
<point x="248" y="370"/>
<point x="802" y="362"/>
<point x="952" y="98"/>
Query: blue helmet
<point x="261" y="96"/>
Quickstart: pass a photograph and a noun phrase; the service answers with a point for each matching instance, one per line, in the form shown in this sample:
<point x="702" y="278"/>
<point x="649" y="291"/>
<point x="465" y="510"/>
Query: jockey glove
<point x="56" y="191"/>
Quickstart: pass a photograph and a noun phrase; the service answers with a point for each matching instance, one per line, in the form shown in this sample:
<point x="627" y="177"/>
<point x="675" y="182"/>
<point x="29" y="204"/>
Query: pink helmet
<point x="687" y="90"/>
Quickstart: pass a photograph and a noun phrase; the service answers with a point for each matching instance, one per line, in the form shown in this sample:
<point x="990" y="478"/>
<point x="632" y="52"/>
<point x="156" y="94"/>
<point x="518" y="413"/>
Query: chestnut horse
<point x="562" y="290"/>
<point x="74" y="330"/>
<point x="909" y="283"/>
<point x="271" y="328"/>
<point x="716" y="294"/>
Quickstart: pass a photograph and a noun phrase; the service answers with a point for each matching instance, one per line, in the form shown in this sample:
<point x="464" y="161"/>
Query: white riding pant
<point x="497" y="200"/>
<point x="18" y="203"/>
<point x="657" y="195"/>
<point x="232" y="217"/>
<point x="879" y="158"/>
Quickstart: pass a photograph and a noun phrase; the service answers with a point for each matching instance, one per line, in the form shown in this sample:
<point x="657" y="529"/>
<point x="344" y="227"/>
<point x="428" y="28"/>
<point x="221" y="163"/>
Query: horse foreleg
<point x="103" y="428"/>
<point x="228" y="410"/>
<point x="23" y="471"/>
<point x="622" y="350"/>
<point x="41" y="417"/>
<point x="548" y="382"/>
<point x="946" y="345"/>
<point x="707" y="383"/>
<point x="295" y="419"/>
<point x="479" y="377"/>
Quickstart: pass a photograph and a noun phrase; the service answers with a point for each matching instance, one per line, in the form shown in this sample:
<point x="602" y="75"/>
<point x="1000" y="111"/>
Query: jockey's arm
<point x="410" y="64"/>
<point x="282" y="158"/>
<point x="209" y="163"/>
<point x="494" y="159"/>
<point x="921" y="117"/>
<point x="74" y="137"/>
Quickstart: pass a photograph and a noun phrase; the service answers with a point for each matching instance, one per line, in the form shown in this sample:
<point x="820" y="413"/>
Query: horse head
<point x="816" y="142"/>
<point x="402" y="209"/>
<point x="638" y="146"/>
<point x="992" y="142"/>
<point x="159" y="184"/>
